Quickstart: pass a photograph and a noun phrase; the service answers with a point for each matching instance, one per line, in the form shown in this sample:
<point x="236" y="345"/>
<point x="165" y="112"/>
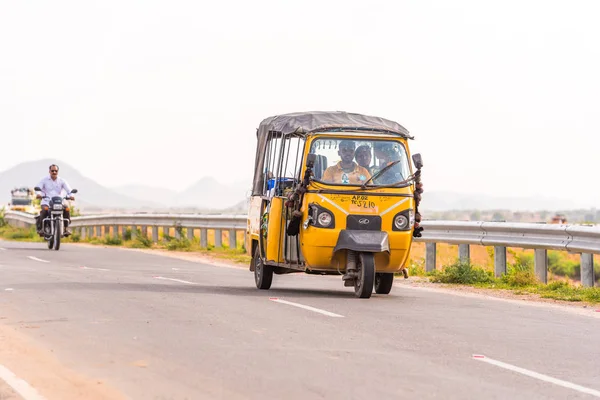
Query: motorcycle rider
<point x="53" y="185"/>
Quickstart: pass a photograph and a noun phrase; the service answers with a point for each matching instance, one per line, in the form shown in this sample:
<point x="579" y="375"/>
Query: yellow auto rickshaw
<point x="333" y="193"/>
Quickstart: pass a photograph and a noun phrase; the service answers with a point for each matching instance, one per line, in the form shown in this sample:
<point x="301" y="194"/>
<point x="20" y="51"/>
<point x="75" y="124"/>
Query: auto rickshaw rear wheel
<point x="383" y="283"/>
<point x="363" y="286"/>
<point x="263" y="274"/>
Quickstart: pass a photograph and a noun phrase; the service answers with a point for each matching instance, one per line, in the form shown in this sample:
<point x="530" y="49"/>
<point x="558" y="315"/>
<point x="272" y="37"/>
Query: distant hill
<point x="91" y="195"/>
<point x="206" y="194"/>
<point x="162" y="196"/>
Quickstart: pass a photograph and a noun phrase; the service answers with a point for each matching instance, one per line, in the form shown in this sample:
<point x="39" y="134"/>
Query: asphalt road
<point x="145" y="326"/>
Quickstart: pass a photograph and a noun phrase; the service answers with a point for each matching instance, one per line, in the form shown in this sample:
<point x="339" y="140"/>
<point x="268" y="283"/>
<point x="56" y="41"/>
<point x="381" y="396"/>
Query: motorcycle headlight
<point x="58" y="207"/>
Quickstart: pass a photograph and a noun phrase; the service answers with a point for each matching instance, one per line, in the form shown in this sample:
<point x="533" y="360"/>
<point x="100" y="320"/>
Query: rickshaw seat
<point x="320" y="166"/>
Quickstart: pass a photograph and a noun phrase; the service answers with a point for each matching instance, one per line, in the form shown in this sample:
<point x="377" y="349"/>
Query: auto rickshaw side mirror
<point x="418" y="160"/>
<point x="311" y="159"/>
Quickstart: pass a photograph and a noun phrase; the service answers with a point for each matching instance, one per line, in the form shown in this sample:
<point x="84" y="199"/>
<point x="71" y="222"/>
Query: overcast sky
<point x="502" y="97"/>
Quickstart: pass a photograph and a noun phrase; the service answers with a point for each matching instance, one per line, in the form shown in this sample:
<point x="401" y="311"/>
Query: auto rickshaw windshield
<point x="345" y="161"/>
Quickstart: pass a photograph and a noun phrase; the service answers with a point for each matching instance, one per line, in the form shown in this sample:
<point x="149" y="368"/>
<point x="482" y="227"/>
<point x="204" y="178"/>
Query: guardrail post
<point x="155" y="234"/>
<point x="133" y="231"/>
<point x="98" y="231"/>
<point x="82" y="233"/>
<point x="218" y="238"/>
<point x="190" y="234"/>
<point x="464" y="252"/>
<point x="499" y="261"/>
<point x="177" y="232"/>
<point x="106" y="230"/>
<point x="430" y="256"/>
<point x="90" y="231"/>
<point x="232" y="239"/>
<point x="166" y="231"/>
<point x="204" y="238"/>
<point x="144" y="231"/>
<point x="115" y="231"/>
<point x="587" y="269"/>
<point x="541" y="265"/>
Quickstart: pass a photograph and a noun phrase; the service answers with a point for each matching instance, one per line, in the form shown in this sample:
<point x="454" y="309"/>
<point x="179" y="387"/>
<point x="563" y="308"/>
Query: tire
<point x="57" y="234"/>
<point x="363" y="287"/>
<point x="263" y="274"/>
<point x="383" y="283"/>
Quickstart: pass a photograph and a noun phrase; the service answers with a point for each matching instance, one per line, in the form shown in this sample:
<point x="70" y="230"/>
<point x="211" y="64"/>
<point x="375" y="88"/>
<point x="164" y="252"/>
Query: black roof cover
<point x="306" y="122"/>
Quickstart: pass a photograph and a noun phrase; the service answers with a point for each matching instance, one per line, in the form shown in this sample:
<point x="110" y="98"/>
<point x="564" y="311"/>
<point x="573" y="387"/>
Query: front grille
<point x="363" y="222"/>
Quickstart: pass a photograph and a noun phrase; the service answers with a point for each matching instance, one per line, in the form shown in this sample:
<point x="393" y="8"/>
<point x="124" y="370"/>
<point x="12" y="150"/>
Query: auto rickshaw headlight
<point x="401" y="222"/>
<point x="324" y="219"/>
<point x="320" y="217"/>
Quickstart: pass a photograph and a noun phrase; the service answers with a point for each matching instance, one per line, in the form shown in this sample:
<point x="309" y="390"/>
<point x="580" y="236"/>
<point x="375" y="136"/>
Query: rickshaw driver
<point x="386" y="153"/>
<point x="363" y="157"/>
<point x="346" y="171"/>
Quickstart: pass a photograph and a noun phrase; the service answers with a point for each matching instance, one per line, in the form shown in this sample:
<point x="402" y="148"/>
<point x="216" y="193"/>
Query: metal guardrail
<point x="584" y="240"/>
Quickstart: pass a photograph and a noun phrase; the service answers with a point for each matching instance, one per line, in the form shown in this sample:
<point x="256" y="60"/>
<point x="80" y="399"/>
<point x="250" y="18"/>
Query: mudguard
<point x="367" y="241"/>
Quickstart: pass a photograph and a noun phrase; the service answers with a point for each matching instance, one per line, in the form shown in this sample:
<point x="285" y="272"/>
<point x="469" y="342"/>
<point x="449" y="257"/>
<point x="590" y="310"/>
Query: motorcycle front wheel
<point x="57" y="234"/>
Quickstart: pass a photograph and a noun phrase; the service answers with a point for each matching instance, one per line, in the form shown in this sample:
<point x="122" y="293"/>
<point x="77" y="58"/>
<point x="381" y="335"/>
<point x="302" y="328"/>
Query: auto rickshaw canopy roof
<point x="315" y="121"/>
<point x="305" y="123"/>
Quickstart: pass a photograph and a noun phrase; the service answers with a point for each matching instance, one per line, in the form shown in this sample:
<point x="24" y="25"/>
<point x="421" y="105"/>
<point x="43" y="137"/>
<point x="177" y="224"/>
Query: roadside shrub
<point x="462" y="272"/>
<point x="142" y="242"/>
<point x="113" y="241"/>
<point x="521" y="272"/>
<point x="179" y="244"/>
<point x="21" y="233"/>
<point x="416" y="268"/>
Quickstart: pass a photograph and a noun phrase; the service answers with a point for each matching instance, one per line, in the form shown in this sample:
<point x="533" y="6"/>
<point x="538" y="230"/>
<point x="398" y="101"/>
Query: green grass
<point x="519" y="279"/>
<point x="138" y="241"/>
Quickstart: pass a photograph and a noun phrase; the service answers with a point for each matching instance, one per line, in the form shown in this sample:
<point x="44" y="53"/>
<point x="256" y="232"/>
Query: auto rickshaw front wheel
<point x="263" y="274"/>
<point x="383" y="283"/>
<point x="363" y="285"/>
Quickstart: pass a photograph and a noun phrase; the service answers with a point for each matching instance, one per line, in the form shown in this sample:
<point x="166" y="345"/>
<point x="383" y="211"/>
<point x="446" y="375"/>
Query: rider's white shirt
<point x="52" y="187"/>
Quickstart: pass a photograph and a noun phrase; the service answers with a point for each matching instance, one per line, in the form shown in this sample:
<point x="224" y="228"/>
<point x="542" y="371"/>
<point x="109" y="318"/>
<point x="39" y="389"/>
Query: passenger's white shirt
<point x="52" y="188"/>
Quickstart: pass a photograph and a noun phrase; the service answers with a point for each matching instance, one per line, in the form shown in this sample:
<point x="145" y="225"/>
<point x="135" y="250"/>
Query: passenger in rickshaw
<point x="387" y="153"/>
<point x="346" y="171"/>
<point x="363" y="157"/>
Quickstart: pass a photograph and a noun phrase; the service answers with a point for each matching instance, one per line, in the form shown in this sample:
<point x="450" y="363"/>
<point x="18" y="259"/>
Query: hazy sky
<point x="502" y="97"/>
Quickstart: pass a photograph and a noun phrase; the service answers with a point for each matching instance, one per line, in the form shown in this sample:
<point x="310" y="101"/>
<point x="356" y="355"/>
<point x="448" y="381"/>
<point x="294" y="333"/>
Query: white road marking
<point x="9" y="289"/>
<point x="97" y="269"/>
<point x="37" y="259"/>
<point x="174" y="280"/>
<point x="19" y="385"/>
<point x="537" y="375"/>
<point x="318" y="310"/>
<point x="2" y="248"/>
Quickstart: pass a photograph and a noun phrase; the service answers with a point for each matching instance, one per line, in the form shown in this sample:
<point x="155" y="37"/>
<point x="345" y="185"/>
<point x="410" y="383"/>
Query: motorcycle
<point x="53" y="226"/>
